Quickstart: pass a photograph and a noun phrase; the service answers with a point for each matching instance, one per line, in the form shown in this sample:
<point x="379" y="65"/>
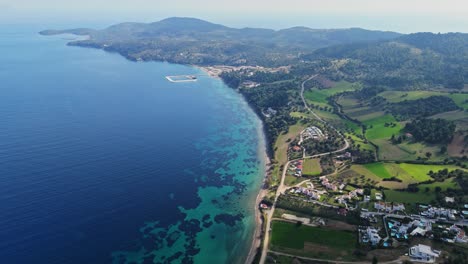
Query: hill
<point x="420" y="60"/>
<point x="194" y="41"/>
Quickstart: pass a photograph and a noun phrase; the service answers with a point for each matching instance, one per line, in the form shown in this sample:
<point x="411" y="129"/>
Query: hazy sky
<point x="398" y="15"/>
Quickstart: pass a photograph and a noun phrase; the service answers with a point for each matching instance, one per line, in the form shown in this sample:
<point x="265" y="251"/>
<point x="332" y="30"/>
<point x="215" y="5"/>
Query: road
<point x="282" y="187"/>
<point x="399" y="260"/>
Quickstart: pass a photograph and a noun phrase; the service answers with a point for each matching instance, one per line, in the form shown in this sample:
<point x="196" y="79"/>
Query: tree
<point x="443" y="149"/>
<point x="428" y="155"/>
<point x="375" y="260"/>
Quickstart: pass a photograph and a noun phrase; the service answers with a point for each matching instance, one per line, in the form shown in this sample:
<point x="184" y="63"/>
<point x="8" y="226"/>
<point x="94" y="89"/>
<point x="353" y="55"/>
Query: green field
<point x="319" y="96"/>
<point x="362" y="143"/>
<point x="448" y="183"/>
<point x="408" y="197"/>
<point x="311" y="167"/>
<point x="398" y="96"/>
<point x="378" y="169"/>
<point x="313" y="241"/>
<point x="407" y="173"/>
<point x="422" y="196"/>
<point x="419" y="171"/>
<point x="377" y="130"/>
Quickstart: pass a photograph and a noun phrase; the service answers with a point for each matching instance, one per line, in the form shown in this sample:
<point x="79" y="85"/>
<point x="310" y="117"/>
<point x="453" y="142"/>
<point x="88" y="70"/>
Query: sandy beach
<point x="257" y="237"/>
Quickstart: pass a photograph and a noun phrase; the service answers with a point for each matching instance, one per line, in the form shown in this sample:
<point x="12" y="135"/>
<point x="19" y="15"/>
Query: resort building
<point x="423" y="253"/>
<point x="388" y="207"/>
<point x="370" y="235"/>
<point x="313" y="133"/>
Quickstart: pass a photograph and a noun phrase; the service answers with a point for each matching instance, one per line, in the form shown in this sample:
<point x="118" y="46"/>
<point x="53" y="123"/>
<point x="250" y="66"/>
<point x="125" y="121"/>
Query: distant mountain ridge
<point x="195" y="41"/>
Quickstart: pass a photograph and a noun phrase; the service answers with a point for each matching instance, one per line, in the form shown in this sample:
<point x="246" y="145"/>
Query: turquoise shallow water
<point x="102" y="160"/>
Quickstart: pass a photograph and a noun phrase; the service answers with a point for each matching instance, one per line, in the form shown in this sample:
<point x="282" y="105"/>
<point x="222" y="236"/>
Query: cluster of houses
<point x="296" y="168"/>
<point x="438" y="212"/>
<point x="459" y="235"/>
<point x="327" y="184"/>
<point x="402" y="231"/>
<point x="309" y="192"/>
<point x="349" y="196"/>
<point x="389" y="207"/>
<point x="312" y="133"/>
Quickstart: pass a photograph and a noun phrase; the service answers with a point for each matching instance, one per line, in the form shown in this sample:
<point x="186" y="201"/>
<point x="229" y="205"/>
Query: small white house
<point x="449" y="199"/>
<point x="373" y="235"/>
<point x="423" y="253"/>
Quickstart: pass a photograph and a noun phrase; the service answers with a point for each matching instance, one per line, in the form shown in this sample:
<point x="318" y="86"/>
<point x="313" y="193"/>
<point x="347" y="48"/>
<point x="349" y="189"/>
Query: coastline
<point x="264" y="155"/>
<point x="258" y="235"/>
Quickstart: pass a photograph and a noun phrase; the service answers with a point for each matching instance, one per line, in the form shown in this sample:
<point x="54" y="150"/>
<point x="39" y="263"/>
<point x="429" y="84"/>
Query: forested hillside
<point x="421" y="60"/>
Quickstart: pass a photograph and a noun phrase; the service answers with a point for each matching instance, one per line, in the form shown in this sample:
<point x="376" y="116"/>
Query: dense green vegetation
<point x="423" y="107"/>
<point x="431" y="130"/>
<point x="276" y="95"/>
<point x="194" y="41"/>
<point x="414" y="60"/>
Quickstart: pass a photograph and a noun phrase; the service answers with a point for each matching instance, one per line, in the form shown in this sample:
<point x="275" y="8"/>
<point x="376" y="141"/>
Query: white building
<point x="423" y="253"/>
<point x="373" y="235"/>
<point x="378" y="196"/>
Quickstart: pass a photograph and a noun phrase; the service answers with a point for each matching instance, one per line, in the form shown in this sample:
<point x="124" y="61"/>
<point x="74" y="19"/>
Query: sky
<point x="396" y="15"/>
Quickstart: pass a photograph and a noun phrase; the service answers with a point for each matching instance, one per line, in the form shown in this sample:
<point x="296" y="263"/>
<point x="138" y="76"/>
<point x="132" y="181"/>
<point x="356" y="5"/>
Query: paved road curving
<point x="282" y="187"/>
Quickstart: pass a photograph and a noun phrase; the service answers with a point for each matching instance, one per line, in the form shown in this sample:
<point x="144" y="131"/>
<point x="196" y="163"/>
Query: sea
<point x="102" y="160"/>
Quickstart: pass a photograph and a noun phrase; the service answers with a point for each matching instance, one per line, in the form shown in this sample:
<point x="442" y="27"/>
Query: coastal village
<point x="328" y="194"/>
<point x="357" y="216"/>
<point x="380" y="225"/>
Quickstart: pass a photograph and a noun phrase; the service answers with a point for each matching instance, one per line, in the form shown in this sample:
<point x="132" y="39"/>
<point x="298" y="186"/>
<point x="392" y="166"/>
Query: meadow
<point x="311" y="167"/>
<point x="317" y="242"/>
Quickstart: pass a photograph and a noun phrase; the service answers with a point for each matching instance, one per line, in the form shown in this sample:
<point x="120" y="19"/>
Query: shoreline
<point x="215" y="72"/>
<point x="264" y="154"/>
<point x="258" y="235"/>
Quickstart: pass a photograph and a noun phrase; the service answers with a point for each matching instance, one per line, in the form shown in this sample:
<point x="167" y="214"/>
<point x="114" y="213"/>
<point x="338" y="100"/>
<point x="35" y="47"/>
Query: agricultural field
<point x="315" y="242"/>
<point x="457" y="148"/>
<point x="408" y="197"/>
<point x="406" y="172"/>
<point x="319" y="96"/>
<point x="378" y="130"/>
<point x="311" y="167"/>
<point x="397" y="96"/>
<point x="381" y="126"/>
<point x="378" y="169"/>
<point x="290" y="180"/>
<point x="360" y="142"/>
<point x="426" y="192"/>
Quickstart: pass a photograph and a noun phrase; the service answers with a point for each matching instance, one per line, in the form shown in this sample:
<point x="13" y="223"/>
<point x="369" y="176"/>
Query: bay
<point x="102" y="160"/>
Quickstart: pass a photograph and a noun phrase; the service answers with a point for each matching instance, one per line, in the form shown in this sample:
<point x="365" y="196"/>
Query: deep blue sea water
<point x="102" y="160"/>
